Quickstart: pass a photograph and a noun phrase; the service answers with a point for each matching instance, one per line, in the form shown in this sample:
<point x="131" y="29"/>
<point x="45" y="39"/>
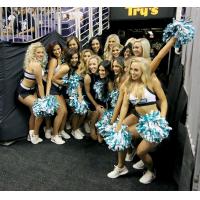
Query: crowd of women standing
<point x="114" y="83"/>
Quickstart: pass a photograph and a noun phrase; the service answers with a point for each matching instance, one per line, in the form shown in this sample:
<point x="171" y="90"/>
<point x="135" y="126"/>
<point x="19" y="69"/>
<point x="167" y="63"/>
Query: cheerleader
<point x="127" y="51"/>
<point x="34" y="63"/>
<point x="74" y="91"/>
<point x="85" y="55"/>
<point x="73" y="42"/>
<point x="140" y="95"/>
<point x="96" y="46"/>
<point x="55" y="53"/>
<point x="116" y="49"/>
<point x="104" y="94"/>
<point x="111" y="39"/>
<point x="141" y="48"/>
<point x="96" y="106"/>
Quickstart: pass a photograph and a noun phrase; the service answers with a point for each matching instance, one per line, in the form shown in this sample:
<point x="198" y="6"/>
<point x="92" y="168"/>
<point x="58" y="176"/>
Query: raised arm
<point x="161" y="54"/>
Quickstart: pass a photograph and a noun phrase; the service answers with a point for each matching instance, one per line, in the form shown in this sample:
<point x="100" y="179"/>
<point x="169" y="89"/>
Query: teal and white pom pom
<point x="104" y="122"/>
<point x="152" y="127"/>
<point x="78" y="107"/>
<point x="99" y="88"/>
<point x="46" y="106"/>
<point x="113" y="96"/>
<point x="182" y="30"/>
<point x="118" y="141"/>
<point x="65" y="80"/>
<point x="73" y="83"/>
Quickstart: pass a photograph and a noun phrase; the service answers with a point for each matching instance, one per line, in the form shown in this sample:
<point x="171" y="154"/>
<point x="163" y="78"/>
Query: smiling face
<point x="86" y="56"/>
<point x="117" y="68"/>
<point x="115" y="51"/>
<point x="95" y="45"/>
<point x="127" y="53"/>
<point x="102" y="72"/>
<point x="137" y="49"/>
<point x="111" y="41"/>
<point x="135" y="71"/>
<point x="73" y="44"/>
<point x="57" y="51"/>
<point x="74" y="60"/>
<point x="39" y="54"/>
<point x="93" y="65"/>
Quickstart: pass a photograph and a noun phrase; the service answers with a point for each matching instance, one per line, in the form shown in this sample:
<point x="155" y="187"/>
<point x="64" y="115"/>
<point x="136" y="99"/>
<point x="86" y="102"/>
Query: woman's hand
<point x="80" y="98"/>
<point x="100" y="108"/>
<point x="118" y="127"/>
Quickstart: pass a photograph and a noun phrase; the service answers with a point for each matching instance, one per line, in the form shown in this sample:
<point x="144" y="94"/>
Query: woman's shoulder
<point x="53" y="61"/>
<point x="87" y="77"/>
<point x="33" y="65"/>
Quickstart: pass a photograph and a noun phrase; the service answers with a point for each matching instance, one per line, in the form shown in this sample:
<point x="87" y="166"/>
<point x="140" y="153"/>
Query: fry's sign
<point x="141" y="13"/>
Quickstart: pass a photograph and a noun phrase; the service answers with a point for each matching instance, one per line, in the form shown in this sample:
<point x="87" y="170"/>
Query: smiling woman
<point x="140" y="99"/>
<point x="34" y="63"/>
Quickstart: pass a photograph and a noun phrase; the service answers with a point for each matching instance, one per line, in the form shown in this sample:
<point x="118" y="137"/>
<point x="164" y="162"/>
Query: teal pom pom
<point x="182" y="30"/>
<point x="113" y="96"/>
<point x="104" y="122"/>
<point x="46" y="106"/>
<point x="79" y="107"/>
<point x="72" y="90"/>
<point x="152" y="127"/>
<point x="73" y="83"/>
<point x="99" y="88"/>
<point x="65" y="80"/>
<point x="118" y="141"/>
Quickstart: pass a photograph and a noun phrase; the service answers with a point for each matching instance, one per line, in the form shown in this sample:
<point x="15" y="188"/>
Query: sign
<point x="141" y="13"/>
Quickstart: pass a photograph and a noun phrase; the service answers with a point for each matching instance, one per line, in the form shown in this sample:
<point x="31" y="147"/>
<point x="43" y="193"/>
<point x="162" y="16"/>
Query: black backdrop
<point x="13" y="115"/>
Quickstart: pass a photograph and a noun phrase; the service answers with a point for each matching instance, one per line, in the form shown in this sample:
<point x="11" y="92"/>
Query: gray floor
<point x="74" y="166"/>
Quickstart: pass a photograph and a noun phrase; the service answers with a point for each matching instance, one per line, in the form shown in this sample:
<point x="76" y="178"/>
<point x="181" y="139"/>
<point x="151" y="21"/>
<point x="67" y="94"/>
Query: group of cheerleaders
<point x="117" y="80"/>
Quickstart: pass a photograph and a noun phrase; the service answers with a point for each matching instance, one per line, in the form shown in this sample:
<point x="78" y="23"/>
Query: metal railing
<point x="26" y="24"/>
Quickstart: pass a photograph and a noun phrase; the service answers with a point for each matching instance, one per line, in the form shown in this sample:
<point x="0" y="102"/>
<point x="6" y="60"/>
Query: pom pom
<point x="152" y="127"/>
<point x="103" y="124"/>
<point x="46" y="106"/>
<point x="65" y="80"/>
<point x="73" y="83"/>
<point x="118" y="141"/>
<point x="79" y="107"/>
<point x="182" y="30"/>
<point x="113" y="96"/>
<point x="99" y="88"/>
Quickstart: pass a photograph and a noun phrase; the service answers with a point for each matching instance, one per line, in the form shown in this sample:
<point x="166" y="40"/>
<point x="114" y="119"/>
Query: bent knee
<point x="140" y="153"/>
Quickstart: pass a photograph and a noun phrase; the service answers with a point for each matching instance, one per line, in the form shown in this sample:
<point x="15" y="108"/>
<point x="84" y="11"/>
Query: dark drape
<point x="13" y="115"/>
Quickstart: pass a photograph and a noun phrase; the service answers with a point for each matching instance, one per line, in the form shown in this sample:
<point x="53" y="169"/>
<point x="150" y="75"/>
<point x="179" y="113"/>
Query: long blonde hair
<point x="30" y="55"/>
<point x="83" y="65"/>
<point x="99" y="60"/>
<point x="145" y="47"/>
<point x="107" y="51"/>
<point x="145" y="77"/>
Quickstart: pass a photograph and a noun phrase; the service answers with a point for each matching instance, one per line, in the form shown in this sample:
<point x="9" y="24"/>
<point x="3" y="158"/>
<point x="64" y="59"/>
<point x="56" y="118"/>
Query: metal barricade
<point x="28" y="23"/>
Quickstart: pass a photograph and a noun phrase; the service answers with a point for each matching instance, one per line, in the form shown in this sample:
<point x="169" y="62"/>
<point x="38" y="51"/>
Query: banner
<point x="141" y="13"/>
